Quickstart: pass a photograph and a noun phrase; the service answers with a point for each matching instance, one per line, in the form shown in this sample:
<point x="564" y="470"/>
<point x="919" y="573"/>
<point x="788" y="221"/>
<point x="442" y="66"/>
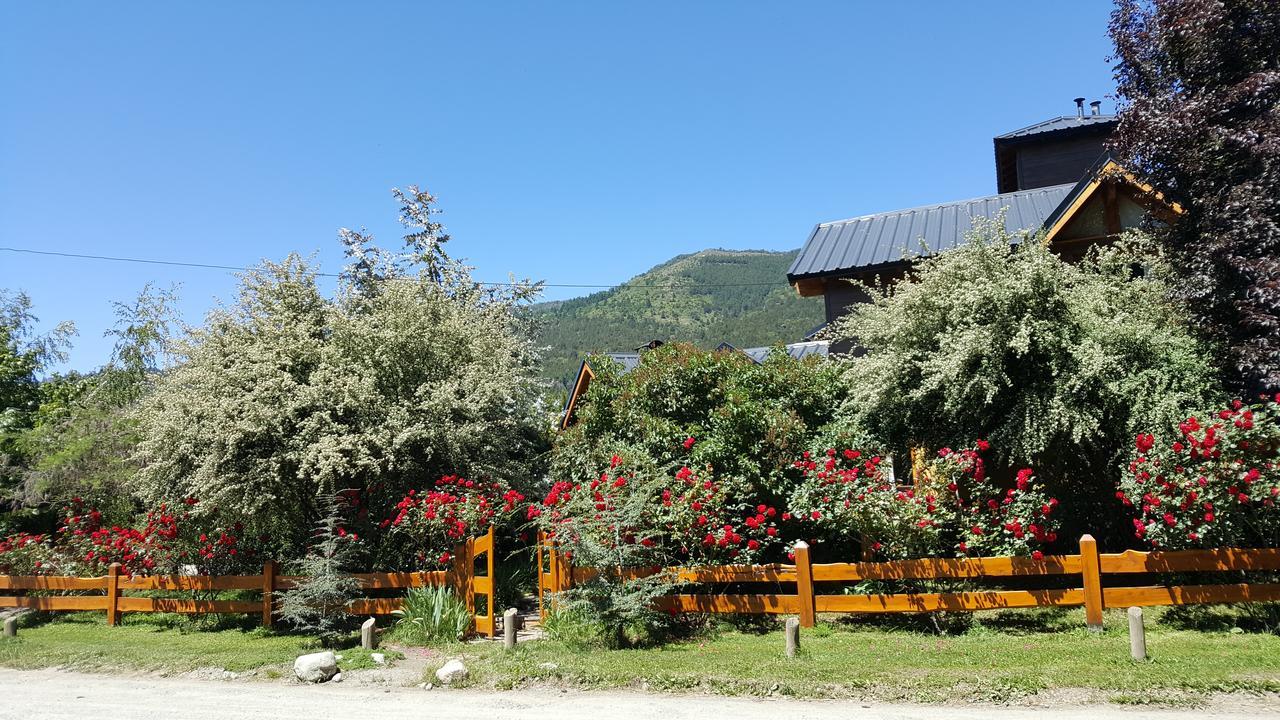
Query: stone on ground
<point x="452" y="672"/>
<point x="316" y="667"/>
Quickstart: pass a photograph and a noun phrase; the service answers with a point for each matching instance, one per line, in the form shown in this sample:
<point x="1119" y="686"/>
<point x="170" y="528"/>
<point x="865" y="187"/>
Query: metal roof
<point x="1066" y="122"/>
<point x="628" y="360"/>
<point x="891" y="237"/>
<point x="799" y="351"/>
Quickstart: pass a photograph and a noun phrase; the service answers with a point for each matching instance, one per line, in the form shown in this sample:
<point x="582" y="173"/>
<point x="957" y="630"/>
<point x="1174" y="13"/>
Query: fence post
<point x="268" y="590"/>
<point x="538" y="551"/>
<point x="1091" y="573"/>
<point x="804" y="585"/>
<point x="113" y="594"/>
<point x="493" y="584"/>
<point x="564" y="572"/>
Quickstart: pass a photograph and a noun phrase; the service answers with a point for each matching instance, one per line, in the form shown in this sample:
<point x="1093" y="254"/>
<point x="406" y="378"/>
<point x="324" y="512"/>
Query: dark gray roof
<point x="628" y="360"/>
<point x="1066" y="122"/>
<point x="890" y="237"/>
<point x="799" y="351"/>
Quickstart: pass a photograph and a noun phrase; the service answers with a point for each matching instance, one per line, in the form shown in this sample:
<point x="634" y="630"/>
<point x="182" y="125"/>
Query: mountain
<point x="709" y="297"/>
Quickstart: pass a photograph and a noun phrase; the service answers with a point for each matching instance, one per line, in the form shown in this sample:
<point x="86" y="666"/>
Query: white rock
<point x="452" y="672"/>
<point x="337" y="678"/>
<point x="316" y="667"/>
<point x="548" y="666"/>
<point x="379" y="658"/>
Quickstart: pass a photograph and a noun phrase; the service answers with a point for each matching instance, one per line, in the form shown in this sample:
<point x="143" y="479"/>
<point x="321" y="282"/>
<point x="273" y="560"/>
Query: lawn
<point x="1004" y="656"/>
<point x="156" y="643"/>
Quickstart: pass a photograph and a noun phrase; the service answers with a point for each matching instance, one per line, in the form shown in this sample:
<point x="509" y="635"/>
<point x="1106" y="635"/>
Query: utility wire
<point x="209" y="266"/>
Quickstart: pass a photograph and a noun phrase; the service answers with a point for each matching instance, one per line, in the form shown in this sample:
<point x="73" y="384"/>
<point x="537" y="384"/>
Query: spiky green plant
<point x="432" y="614"/>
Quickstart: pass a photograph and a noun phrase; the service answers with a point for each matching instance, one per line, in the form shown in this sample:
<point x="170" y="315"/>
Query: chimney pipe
<point x="1095" y="107"/>
<point x="1079" y="107"/>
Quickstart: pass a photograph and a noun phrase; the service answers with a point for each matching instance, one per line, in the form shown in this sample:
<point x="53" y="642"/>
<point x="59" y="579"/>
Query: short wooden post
<point x="793" y="636"/>
<point x="369" y="634"/>
<point x="510" y="623"/>
<point x="1091" y="572"/>
<point x="1137" y="635"/>
<point x="113" y="594"/>
<point x="268" y="592"/>
<point x="804" y="585"/>
<point x="11" y="627"/>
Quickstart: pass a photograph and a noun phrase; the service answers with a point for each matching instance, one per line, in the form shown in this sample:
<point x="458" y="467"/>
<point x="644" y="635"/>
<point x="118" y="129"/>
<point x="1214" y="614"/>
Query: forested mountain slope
<point x="709" y="297"/>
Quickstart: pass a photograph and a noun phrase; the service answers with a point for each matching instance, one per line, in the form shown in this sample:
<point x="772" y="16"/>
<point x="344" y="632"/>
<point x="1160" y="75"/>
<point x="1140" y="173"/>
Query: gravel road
<point x="25" y="695"/>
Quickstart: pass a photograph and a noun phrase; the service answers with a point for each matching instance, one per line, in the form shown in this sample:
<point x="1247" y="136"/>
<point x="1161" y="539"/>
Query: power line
<point x="234" y="268"/>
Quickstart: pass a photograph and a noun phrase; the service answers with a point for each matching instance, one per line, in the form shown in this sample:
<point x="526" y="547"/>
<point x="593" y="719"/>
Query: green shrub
<point x="1058" y="365"/>
<point x="432" y="614"/>
<point x="747" y="420"/>
<point x="575" y="627"/>
<point x="411" y="370"/>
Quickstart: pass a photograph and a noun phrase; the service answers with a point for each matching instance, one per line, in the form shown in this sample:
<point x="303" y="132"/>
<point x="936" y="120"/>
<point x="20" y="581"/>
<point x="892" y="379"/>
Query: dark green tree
<point x="1199" y="86"/>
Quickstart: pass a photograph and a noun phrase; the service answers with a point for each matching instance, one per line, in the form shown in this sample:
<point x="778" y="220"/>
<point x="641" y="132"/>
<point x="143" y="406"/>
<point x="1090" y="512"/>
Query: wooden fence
<point x="1089" y="568"/>
<point x="107" y="593"/>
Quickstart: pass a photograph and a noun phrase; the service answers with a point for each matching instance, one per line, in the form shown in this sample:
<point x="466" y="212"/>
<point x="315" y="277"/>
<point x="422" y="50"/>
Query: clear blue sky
<point x="571" y="142"/>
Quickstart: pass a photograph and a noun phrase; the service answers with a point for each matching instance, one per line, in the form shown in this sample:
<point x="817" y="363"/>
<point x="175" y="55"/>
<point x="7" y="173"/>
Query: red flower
<point x="688" y="443"/>
<point x="1145" y="442"/>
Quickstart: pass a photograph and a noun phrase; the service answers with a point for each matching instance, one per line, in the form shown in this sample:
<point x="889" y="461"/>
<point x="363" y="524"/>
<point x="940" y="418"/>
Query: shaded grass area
<point x="1001" y="657"/>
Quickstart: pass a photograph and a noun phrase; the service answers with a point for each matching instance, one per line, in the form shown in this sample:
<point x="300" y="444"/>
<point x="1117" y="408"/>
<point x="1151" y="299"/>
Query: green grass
<point x="156" y="643"/>
<point x="1003" y="657"/>
<point x="1006" y="656"/>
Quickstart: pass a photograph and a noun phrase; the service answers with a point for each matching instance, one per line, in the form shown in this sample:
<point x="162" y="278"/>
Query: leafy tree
<point x="24" y="356"/>
<point x="413" y="371"/>
<point x="82" y="438"/>
<point x="1199" y="82"/>
<point x="1056" y="365"/>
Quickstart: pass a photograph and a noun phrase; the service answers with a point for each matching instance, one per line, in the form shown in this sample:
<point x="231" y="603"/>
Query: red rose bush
<point x="1211" y="483"/>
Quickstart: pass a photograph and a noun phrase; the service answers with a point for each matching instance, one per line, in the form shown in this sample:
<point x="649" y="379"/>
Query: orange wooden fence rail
<point x="555" y="575"/>
<point x="461" y="576"/>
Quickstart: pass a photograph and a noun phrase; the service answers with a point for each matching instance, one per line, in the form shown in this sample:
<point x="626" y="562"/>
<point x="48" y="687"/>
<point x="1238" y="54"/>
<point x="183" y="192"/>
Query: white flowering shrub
<point x="413" y="371"/>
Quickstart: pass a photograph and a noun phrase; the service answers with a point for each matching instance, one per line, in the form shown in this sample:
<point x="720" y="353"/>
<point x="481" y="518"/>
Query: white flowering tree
<point x="411" y="371"/>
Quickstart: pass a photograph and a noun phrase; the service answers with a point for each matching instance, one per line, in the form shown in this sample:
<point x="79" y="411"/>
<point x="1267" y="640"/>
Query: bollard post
<point x="369" y="634"/>
<point x="510" y="623"/>
<point x="793" y="636"/>
<point x="11" y="627"/>
<point x="1137" y="635"/>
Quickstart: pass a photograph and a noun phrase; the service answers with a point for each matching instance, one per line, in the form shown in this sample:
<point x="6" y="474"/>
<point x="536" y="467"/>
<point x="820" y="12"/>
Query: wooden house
<point x="1054" y="176"/>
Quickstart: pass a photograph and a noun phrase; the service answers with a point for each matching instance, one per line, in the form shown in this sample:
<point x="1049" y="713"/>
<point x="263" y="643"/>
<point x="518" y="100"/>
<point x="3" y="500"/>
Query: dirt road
<point x="25" y="695"/>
